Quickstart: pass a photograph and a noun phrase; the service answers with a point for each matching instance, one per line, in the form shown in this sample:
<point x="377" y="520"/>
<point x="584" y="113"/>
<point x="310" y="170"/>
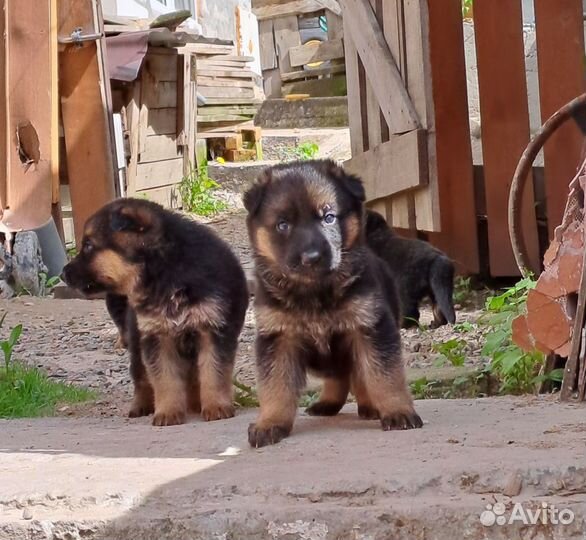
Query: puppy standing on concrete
<point x="420" y="270"/>
<point x="324" y="302"/>
<point x="178" y="295"/>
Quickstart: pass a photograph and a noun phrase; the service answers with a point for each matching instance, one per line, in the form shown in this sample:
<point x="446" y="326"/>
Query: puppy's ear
<point x="254" y="196"/>
<point x="374" y="221"/>
<point x="350" y="183"/>
<point x="131" y="219"/>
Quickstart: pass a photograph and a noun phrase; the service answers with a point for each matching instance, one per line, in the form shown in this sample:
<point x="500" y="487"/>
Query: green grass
<point x="26" y="391"/>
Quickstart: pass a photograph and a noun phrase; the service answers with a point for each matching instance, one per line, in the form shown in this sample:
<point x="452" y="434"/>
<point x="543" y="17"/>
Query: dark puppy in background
<point x="420" y="269"/>
<point x="178" y="296"/>
<point x="324" y="302"/>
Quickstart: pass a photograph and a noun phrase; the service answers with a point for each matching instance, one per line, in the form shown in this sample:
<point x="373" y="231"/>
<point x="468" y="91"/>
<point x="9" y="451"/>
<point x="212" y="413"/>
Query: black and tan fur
<point x="324" y="302"/>
<point x="421" y="271"/>
<point x="178" y="296"/>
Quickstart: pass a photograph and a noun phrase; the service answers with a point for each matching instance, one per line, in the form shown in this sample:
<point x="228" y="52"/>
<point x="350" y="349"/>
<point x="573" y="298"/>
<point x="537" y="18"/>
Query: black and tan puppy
<point x="421" y="271"/>
<point x="324" y="302"/>
<point x="178" y="295"/>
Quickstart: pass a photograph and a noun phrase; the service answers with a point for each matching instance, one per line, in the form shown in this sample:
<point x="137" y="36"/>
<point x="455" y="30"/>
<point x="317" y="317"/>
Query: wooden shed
<point x="409" y="122"/>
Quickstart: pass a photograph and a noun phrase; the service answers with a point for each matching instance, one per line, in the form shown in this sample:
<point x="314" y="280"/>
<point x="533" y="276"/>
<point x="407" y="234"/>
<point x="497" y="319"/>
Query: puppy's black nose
<point x="310" y="257"/>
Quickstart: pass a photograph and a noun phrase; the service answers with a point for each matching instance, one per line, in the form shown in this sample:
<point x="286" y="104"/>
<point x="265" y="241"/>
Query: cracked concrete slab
<point x="334" y="478"/>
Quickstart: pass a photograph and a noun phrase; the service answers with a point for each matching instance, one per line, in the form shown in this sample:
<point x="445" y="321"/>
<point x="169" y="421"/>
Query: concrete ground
<point x="334" y="478"/>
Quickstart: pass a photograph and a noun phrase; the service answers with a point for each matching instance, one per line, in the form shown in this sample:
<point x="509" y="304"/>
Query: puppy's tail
<point x="442" y="284"/>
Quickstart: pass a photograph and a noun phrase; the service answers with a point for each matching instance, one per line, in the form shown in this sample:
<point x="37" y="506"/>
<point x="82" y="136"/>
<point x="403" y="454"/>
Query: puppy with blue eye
<point x="324" y="302"/>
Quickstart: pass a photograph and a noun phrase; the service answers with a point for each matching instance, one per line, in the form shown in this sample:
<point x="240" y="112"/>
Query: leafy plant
<point x="26" y="391"/>
<point x="244" y="395"/>
<point x="305" y="151"/>
<point x="452" y="351"/>
<point x="423" y="388"/>
<point x="464" y="327"/>
<point x="48" y="283"/>
<point x="467" y="6"/>
<point x="516" y="369"/>
<point x="462" y="289"/>
<point x="196" y="190"/>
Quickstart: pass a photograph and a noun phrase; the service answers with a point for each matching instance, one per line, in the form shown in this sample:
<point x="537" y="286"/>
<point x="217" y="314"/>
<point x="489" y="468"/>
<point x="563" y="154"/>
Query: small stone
<point x="513" y="486"/>
<point x="27" y="513"/>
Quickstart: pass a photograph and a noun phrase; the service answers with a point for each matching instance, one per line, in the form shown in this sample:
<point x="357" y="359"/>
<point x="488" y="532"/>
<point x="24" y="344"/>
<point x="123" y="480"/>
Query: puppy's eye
<point x="87" y="247"/>
<point x="282" y="226"/>
<point x="329" y="218"/>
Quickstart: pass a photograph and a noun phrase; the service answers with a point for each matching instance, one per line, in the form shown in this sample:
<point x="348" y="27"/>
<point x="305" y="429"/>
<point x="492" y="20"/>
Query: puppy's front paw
<point x="324" y="408"/>
<point x="169" y="418"/>
<point x="401" y="420"/>
<point x="140" y="409"/>
<point x="217" y="412"/>
<point x="367" y="412"/>
<point x="258" y="437"/>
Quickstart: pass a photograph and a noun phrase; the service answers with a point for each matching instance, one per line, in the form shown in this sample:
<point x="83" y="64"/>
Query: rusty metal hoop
<point x="571" y="109"/>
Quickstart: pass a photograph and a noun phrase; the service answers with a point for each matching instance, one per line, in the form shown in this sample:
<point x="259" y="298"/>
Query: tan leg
<point x="332" y="397"/>
<point x="366" y="409"/>
<point x="193" y="398"/>
<point x="215" y="380"/>
<point x="281" y="378"/>
<point x="167" y="372"/>
<point x="383" y="379"/>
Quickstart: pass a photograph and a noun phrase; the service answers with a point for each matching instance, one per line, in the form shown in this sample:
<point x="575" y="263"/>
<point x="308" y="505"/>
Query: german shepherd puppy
<point x="324" y="302"/>
<point x="420" y="269"/>
<point x="178" y="296"/>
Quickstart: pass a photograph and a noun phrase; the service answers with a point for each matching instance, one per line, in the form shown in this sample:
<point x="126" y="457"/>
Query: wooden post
<point x="505" y="125"/>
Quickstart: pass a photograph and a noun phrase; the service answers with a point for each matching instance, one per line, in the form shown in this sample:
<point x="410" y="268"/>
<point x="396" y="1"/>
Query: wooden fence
<point x="410" y="128"/>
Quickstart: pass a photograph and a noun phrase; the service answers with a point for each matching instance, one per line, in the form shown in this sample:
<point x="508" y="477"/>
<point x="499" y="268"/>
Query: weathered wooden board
<point x="27" y="172"/>
<point x="505" y="126"/>
<point x="449" y="127"/>
<point x="159" y="173"/>
<point x="352" y="79"/>
<point x="224" y="81"/>
<point x="380" y="67"/>
<point x="223" y="72"/>
<point x="167" y="196"/>
<point x="161" y="122"/>
<point x="86" y="112"/>
<point x="397" y="165"/>
<point x="226" y="92"/>
<point x="268" y="53"/>
<point x="161" y="67"/>
<point x="322" y="52"/>
<point x="287" y="36"/>
<point x="159" y="95"/>
<point x="160" y="147"/>
<point x="273" y="9"/>
<point x="560" y="56"/>
<point x="307" y="73"/>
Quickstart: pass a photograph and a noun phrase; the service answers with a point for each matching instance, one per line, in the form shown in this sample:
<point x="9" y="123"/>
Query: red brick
<point x="547" y="320"/>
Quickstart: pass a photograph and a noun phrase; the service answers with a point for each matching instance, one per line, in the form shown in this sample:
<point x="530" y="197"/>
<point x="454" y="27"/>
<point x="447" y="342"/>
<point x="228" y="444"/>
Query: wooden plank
<point x="54" y="93"/>
<point x="225" y="81"/>
<point x="380" y="67"/>
<point x="221" y="64"/>
<point x="335" y="25"/>
<point x="394" y="166"/>
<point x="230" y="109"/>
<point x="161" y="68"/>
<point x="159" y="173"/>
<point x="161" y="122"/>
<point x="86" y="112"/>
<point x="286" y="9"/>
<point x="233" y="101"/>
<point x="322" y="52"/>
<point x="308" y="73"/>
<point x="27" y="59"/>
<point x="226" y="92"/>
<point x="449" y="131"/>
<point x="159" y="148"/>
<point x="241" y="59"/>
<point x="287" y="36"/>
<point x="211" y="49"/>
<point x="327" y="87"/>
<point x="268" y="52"/>
<point x="505" y="126"/>
<point x="560" y="56"/>
<point x="272" y="83"/>
<point x="222" y="72"/>
<point x="167" y="196"/>
<point x="352" y="78"/>
<point x="133" y="125"/>
<point x="159" y="95"/>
